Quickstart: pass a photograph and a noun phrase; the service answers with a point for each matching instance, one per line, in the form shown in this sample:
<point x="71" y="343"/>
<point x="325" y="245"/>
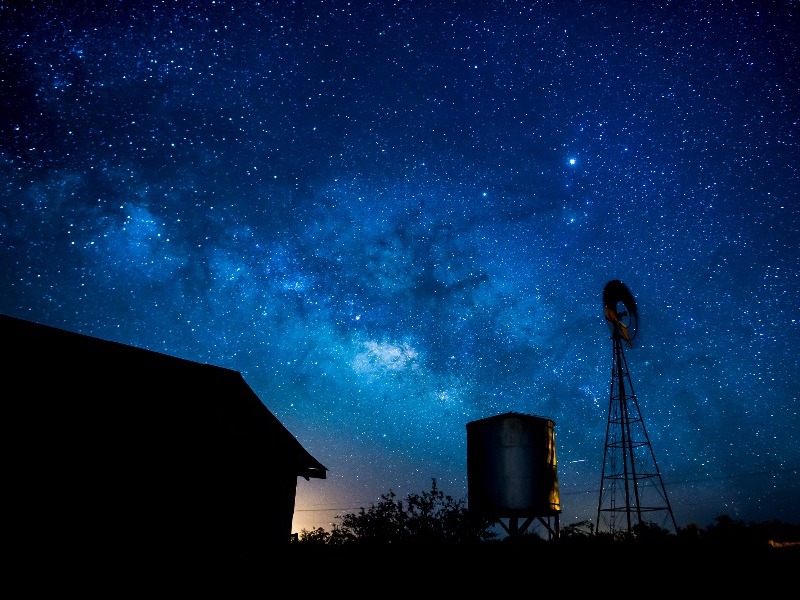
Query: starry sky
<point x="395" y="218"/>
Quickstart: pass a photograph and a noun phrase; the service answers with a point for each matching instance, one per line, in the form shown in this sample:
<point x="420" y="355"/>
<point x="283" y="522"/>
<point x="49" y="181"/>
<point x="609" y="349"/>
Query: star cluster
<point x="394" y="218"/>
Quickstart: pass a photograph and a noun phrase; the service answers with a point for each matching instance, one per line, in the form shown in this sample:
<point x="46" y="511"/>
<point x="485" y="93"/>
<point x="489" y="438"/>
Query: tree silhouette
<point x="433" y="518"/>
<point x="428" y="518"/>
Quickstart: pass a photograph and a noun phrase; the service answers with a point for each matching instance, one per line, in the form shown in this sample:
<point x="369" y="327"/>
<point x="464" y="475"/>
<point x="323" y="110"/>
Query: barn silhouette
<point x="114" y="448"/>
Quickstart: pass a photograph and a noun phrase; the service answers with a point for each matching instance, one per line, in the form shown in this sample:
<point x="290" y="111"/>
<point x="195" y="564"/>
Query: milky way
<point x="395" y="218"/>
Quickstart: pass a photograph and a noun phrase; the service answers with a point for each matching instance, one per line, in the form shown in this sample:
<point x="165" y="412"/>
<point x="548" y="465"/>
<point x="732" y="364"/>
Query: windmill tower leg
<point x="631" y="485"/>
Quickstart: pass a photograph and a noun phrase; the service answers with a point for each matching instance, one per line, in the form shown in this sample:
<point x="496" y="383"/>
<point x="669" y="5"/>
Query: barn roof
<point x="74" y="385"/>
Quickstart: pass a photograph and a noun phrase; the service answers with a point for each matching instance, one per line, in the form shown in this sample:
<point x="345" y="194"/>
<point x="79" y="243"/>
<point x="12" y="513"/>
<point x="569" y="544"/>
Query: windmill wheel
<point x="619" y="309"/>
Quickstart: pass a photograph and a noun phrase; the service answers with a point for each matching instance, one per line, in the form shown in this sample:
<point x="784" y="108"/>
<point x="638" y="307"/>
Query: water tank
<point x="511" y="467"/>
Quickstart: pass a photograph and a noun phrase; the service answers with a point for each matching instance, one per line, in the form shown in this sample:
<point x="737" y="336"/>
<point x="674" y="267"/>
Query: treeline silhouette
<point x="434" y="518"/>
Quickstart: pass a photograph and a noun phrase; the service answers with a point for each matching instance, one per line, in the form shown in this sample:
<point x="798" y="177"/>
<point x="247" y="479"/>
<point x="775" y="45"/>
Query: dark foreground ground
<point x="639" y="570"/>
<point x="495" y="571"/>
<point x="501" y="555"/>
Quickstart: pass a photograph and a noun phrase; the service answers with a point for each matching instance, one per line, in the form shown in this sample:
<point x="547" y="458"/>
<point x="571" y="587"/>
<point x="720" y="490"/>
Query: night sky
<point x="395" y="218"/>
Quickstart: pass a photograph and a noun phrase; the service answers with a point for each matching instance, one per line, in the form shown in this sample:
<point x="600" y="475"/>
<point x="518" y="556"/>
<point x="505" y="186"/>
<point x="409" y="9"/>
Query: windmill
<point x="631" y="484"/>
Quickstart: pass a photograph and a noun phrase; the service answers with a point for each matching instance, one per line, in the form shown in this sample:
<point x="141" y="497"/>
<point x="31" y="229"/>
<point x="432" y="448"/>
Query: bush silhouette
<point x="431" y="517"/>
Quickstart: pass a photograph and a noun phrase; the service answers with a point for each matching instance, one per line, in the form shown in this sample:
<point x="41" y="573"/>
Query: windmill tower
<point x="631" y="485"/>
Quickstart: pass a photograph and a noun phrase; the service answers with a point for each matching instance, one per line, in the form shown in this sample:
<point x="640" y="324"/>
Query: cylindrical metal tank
<point x="511" y="467"/>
